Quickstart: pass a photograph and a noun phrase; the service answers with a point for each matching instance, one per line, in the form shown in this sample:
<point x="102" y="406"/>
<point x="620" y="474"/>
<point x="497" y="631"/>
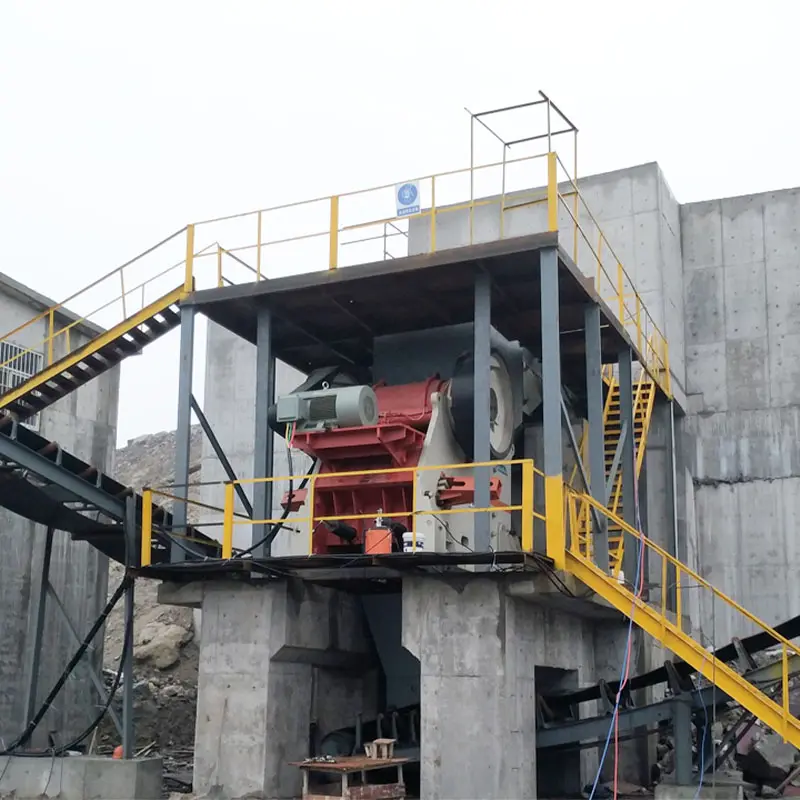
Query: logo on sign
<point x="407" y="199"/>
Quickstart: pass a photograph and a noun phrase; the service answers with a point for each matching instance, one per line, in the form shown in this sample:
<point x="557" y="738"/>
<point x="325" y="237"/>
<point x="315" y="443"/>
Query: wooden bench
<point x="346" y="768"/>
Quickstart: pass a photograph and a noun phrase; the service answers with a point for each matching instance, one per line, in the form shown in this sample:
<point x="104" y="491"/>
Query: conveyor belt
<point x="751" y="644"/>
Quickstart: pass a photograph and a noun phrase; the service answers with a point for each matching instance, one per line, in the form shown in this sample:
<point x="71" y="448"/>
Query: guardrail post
<point x="147" y="527"/>
<point x="188" y="278"/>
<point x="333" y="262"/>
<point x="219" y="267"/>
<point x="227" y="524"/>
<point x="527" y="505"/>
<point x="433" y="214"/>
<point x="312" y="485"/>
<point x="258" y="249"/>
<point x="551" y="409"/>
<point x="552" y="192"/>
<point x="51" y="326"/>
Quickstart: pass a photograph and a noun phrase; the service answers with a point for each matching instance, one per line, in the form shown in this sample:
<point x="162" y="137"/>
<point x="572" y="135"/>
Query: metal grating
<point x="18" y="365"/>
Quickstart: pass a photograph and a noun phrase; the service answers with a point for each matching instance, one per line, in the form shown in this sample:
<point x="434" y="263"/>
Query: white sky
<point x="120" y="122"/>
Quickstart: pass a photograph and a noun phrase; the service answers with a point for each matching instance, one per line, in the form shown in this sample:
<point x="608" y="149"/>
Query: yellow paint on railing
<point x="554" y="513"/>
<point x="188" y="279"/>
<point x="333" y="261"/>
<point x="527" y="505"/>
<point x="433" y="214"/>
<point x="258" y="248"/>
<point x="227" y="526"/>
<point x="552" y="192"/>
<point x="147" y="527"/>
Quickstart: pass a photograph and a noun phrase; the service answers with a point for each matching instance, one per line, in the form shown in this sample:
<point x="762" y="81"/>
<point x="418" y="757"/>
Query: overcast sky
<point x="120" y="122"/>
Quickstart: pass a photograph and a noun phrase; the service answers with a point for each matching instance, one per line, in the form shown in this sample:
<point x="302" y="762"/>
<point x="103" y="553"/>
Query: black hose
<point x="275" y="529"/>
<point x="25" y="736"/>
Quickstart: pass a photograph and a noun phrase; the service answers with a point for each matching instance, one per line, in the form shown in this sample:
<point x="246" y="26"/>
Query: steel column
<point x="128" y="736"/>
<point x="672" y="506"/>
<point x="596" y="434"/>
<point x="183" y="431"/>
<point x="551" y="408"/>
<point x="481" y="366"/>
<point x="628" y="462"/>
<point x="263" y="439"/>
<point x="33" y="680"/>
<point x="682" y="734"/>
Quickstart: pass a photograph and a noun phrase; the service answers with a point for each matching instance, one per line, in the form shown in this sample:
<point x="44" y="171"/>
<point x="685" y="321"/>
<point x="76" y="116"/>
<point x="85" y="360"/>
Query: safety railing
<point x="657" y="593"/>
<point x="228" y="518"/>
<point x="358" y="227"/>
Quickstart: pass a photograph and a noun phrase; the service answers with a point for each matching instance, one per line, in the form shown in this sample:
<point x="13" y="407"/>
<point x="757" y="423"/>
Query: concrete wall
<point x="83" y="423"/>
<point x="230" y="406"/>
<point x="742" y="295"/>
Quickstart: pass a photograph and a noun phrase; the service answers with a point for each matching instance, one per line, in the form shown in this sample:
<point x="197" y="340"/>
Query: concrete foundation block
<point x="80" y="778"/>
<point x="718" y="791"/>
<point x="272" y="658"/>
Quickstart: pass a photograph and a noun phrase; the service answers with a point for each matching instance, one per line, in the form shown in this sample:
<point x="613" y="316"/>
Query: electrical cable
<point x="638" y="585"/>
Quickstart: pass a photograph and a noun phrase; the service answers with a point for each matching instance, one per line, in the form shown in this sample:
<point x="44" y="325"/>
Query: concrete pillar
<point x="478" y="720"/>
<point x="262" y="650"/>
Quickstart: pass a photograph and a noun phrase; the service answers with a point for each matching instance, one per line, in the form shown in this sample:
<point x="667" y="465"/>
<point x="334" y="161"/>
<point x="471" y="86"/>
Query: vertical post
<point x="552" y="192"/>
<point x="672" y="500"/>
<point x="481" y="366"/>
<point x="628" y="465"/>
<point x="41" y="605"/>
<point x="595" y="438"/>
<point x="551" y="408"/>
<point x="122" y="295"/>
<point x="188" y="278"/>
<point x="51" y="326"/>
<point x="527" y="505"/>
<point x="682" y="726"/>
<point x="433" y="214"/>
<point x="147" y="528"/>
<point x="183" y="431"/>
<point x="258" y="249"/>
<point x="262" y="457"/>
<point x="128" y="740"/>
<point x="333" y="262"/>
<point x="219" y="267"/>
<point x="227" y="524"/>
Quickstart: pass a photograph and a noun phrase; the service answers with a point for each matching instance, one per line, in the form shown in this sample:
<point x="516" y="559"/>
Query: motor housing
<point x="344" y="407"/>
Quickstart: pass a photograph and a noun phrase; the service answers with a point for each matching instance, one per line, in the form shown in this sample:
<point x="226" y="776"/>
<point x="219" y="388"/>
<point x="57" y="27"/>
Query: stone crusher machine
<point x="350" y="428"/>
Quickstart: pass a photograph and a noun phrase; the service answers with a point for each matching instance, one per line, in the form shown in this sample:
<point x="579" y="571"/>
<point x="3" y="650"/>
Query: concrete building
<point x="85" y="424"/>
<point x="721" y="279"/>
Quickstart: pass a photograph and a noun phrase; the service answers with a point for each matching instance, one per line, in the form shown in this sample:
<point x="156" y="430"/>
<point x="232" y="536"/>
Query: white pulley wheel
<point x="501" y="409"/>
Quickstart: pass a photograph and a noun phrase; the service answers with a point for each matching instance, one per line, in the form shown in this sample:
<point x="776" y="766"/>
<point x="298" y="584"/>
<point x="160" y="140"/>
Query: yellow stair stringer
<point x="92" y="346"/>
<point x="683" y="646"/>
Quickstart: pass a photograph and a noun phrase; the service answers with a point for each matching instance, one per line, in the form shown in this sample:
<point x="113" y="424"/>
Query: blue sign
<point x="407" y="195"/>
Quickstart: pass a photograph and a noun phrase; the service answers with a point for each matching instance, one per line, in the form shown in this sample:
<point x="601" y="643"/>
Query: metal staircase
<point x="668" y="625"/>
<point x="643" y="402"/>
<point x="86" y="362"/>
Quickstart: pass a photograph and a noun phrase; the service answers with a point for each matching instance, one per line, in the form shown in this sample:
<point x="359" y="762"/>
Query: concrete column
<point x="263" y="439"/>
<point x="481" y="366"/>
<point x="551" y="407"/>
<point x="183" y="431"/>
<point x="596" y="444"/>
<point x="262" y="650"/>
<point x="477" y="688"/>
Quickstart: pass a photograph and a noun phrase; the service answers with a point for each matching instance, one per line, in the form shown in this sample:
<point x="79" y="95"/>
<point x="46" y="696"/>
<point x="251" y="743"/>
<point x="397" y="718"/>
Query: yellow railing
<point x="226" y="516"/>
<point x="358" y="227"/>
<point x="665" y="575"/>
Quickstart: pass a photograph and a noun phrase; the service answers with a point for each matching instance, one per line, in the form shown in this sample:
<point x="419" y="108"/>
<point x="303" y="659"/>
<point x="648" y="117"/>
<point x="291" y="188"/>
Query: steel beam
<point x="128" y="734"/>
<point x="596" y="434"/>
<point x="12" y="450"/>
<point x="682" y="736"/>
<point x="481" y="367"/>
<point x="628" y="461"/>
<point x="551" y="407"/>
<point x="33" y="679"/>
<point x="263" y="437"/>
<point x="220" y="454"/>
<point x="672" y="506"/>
<point x="183" y="431"/>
